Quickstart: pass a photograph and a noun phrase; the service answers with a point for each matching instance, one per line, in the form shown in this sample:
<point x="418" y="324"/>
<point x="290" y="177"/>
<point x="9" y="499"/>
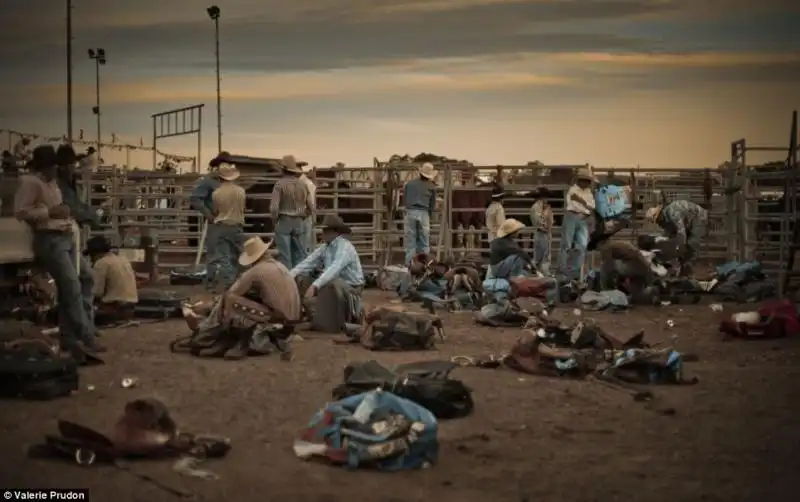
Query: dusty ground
<point x="734" y="438"/>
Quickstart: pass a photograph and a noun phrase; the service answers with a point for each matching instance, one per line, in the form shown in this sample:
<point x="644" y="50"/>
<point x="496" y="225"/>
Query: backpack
<point x="426" y="383"/>
<point x="30" y="370"/>
<point x="611" y="202"/>
<point x="387" y="329"/>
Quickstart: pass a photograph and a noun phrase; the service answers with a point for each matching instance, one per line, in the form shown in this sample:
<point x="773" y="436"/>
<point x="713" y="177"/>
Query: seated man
<point x="506" y="258"/>
<point x="333" y="299"/>
<point x="263" y="299"/>
<point x="115" y="291"/>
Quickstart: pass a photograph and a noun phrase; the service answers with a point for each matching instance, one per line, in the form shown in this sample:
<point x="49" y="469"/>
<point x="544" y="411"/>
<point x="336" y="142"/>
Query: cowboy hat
<point x="219" y="159"/>
<point x="509" y="226"/>
<point x="652" y="214"/>
<point x="290" y="164"/>
<point x="427" y="171"/>
<point x="335" y="223"/>
<point x="43" y="156"/>
<point x="97" y="245"/>
<point x="585" y="173"/>
<point x="254" y="249"/>
<point x="227" y="172"/>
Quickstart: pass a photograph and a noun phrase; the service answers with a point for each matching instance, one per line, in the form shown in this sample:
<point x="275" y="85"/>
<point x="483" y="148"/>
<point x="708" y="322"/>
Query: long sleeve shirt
<point x="275" y="286"/>
<point x="586" y="195"/>
<point x="503" y="247"/>
<point x="678" y="217"/>
<point x="312" y="188"/>
<point x="290" y="197"/>
<point x="495" y="216"/>
<point x="338" y="260"/>
<point x="33" y="201"/>
<point x="228" y="202"/>
<point x="541" y="216"/>
<point x="202" y="196"/>
<point x="114" y="280"/>
<point x="420" y="195"/>
<point x="81" y="212"/>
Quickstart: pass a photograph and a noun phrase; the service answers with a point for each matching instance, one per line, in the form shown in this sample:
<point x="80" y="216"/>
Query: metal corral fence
<point x="742" y="225"/>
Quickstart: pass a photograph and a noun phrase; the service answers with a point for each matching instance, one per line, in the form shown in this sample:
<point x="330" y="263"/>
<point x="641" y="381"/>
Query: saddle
<point x="145" y="430"/>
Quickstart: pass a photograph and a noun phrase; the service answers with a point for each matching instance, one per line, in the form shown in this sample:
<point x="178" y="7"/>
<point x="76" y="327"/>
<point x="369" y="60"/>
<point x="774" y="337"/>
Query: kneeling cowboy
<point x="115" y="290"/>
<point x="686" y="222"/>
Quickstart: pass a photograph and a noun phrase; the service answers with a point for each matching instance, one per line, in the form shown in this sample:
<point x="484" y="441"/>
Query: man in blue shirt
<point x="333" y="298"/>
<point x="419" y="198"/>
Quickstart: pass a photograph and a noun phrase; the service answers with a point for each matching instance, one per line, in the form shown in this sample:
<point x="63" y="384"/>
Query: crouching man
<point x="687" y="223"/>
<point x="263" y="300"/>
<point x="332" y="280"/>
<point x="115" y="291"/>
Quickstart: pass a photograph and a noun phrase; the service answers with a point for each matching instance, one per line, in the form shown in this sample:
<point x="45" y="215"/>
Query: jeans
<point x="417" y="233"/>
<point x="290" y="240"/>
<point x="55" y="252"/>
<point x="311" y="240"/>
<point x="542" y="251"/>
<point x="224" y="244"/>
<point x="574" y="240"/>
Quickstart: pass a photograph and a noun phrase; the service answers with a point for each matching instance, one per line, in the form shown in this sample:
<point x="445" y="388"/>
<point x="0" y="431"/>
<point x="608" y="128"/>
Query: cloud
<point x="694" y="60"/>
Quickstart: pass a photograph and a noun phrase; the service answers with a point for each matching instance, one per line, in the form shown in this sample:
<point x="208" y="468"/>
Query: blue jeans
<point x="542" y="251"/>
<point x="417" y="233"/>
<point x="290" y="240"/>
<point x="311" y="240"/>
<point x="574" y="240"/>
<point x="224" y="244"/>
<point x="55" y="252"/>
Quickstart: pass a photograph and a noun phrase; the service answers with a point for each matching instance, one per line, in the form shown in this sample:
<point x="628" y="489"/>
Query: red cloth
<point x="778" y="320"/>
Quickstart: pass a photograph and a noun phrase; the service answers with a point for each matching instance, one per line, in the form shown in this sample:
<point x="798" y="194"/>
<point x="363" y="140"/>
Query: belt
<point x="284" y="215"/>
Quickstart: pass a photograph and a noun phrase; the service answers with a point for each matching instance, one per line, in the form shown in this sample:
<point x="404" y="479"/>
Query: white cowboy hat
<point x="254" y="249"/>
<point x="585" y="173"/>
<point x="652" y="214"/>
<point x="509" y="226"/>
<point x="227" y="172"/>
<point x="427" y="171"/>
<point x="289" y="163"/>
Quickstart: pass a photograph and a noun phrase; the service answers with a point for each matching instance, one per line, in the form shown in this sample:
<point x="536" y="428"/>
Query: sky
<point x="613" y="83"/>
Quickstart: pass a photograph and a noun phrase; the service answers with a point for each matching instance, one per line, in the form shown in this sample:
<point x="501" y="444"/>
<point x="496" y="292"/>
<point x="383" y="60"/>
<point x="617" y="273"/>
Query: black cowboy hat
<point x="222" y="157"/>
<point x="90" y="150"/>
<point x="65" y="155"/>
<point x="335" y="223"/>
<point x="43" y="156"/>
<point x="97" y="245"/>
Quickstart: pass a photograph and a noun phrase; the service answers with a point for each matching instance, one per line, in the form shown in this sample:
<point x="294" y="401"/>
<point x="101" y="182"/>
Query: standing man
<point x="39" y="203"/>
<point x="21" y="151"/>
<point x="419" y="198"/>
<point x="311" y="240"/>
<point x="495" y="212"/>
<point x="201" y="200"/>
<point x="291" y="205"/>
<point x="542" y="222"/>
<point x="579" y="204"/>
<point x="685" y="222"/>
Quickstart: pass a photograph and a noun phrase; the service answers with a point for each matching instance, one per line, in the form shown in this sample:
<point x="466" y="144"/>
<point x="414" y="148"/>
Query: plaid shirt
<point x="339" y="260"/>
<point x="291" y="197"/>
<point x="541" y="216"/>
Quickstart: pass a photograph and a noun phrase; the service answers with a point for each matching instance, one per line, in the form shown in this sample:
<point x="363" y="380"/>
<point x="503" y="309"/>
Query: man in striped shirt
<point x="290" y="205"/>
<point x="222" y="203"/>
<point x="334" y="297"/>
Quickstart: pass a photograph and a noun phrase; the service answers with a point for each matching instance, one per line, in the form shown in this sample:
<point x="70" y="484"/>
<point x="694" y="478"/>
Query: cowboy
<point x="687" y="223"/>
<point x="506" y="258"/>
<point x="334" y="297"/>
<point x="222" y="203"/>
<point x="495" y="213"/>
<point x="580" y="205"/>
<point x="115" y="290"/>
<point x="71" y="192"/>
<point x="419" y="197"/>
<point x="309" y="222"/>
<point x="542" y="223"/>
<point x="624" y="263"/>
<point x="21" y="150"/>
<point x="291" y="204"/>
<point x="39" y="203"/>
<point x="264" y="298"/>
<point x="90" y="161"/>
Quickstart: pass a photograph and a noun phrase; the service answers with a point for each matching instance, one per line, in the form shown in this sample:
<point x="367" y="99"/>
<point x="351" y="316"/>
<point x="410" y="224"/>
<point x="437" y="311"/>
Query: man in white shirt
<point x="312" y="189"/>
<point x="579" y="208"/>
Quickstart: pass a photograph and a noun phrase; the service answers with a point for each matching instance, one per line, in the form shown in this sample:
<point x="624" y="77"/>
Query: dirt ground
<point x="735" y="435"/>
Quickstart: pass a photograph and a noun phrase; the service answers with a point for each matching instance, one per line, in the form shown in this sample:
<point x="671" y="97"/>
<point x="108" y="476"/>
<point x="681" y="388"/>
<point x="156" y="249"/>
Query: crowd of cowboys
<point x="322" y="283"/>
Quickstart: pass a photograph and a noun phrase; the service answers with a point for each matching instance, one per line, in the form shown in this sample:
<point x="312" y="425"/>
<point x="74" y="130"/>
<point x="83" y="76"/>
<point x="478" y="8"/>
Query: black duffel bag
<point x="30" y="370"/>
<point x="426" y="383"/>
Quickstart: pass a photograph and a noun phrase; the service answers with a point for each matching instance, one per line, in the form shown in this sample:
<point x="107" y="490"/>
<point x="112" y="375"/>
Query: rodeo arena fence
<point x="752" y="210"/>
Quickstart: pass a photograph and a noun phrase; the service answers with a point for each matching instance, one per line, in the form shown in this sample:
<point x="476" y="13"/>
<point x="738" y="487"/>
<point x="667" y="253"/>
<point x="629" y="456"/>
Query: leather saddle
<point x="145" y="430"/>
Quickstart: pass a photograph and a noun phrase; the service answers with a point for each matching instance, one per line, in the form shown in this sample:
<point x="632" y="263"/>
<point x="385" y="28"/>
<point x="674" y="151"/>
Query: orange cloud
<point x="702" y="59"/>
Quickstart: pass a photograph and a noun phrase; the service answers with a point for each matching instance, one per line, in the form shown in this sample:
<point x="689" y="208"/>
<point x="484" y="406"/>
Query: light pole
<point x="99" y="56"/>
<point x="213" y="13"/>
<point x="69" y="71"/>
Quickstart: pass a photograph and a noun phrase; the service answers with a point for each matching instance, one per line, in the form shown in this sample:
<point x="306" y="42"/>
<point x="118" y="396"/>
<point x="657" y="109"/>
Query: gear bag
<point x="388" y="329"/>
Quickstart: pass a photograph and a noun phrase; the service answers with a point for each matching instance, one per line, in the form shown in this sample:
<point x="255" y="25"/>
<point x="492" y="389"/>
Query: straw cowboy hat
<point x="427" y="171"/>
<point x="290" y="164"/>
<point x="652" y="214"/>
<point x="584" y="173"/>
<point x="227" y="172"/>
<point x="254" y="249"/>
<point x="335" y="223"/>
<point x="509" y="226"/>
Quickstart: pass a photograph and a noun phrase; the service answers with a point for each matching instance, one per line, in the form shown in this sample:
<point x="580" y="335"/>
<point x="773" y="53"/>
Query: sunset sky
<point x="659" y="83"/>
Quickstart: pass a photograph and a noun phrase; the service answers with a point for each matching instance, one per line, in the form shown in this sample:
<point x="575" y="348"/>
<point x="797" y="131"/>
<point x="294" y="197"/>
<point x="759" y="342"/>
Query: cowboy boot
<point x="241" y="349"/>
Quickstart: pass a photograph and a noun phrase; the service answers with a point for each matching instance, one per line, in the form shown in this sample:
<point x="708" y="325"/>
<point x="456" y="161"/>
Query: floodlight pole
<point x="219" y="91"/>
<point x="97" y="103"/>
<point x="69" y="71"/>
